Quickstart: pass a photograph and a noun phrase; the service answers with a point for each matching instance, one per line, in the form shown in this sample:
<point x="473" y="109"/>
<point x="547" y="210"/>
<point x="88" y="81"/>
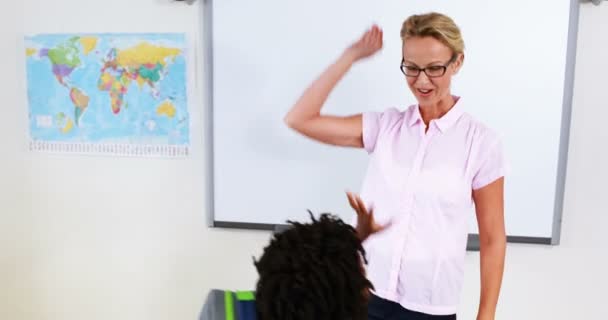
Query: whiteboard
<point x="261" y="55"/>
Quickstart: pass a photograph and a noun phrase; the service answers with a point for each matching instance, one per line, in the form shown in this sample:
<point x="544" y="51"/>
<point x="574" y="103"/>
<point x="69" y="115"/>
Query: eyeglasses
<point x="430" y="71"/>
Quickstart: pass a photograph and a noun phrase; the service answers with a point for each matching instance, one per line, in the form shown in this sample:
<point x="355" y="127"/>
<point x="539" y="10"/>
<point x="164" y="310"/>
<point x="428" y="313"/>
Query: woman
<point x="429" y="165"/>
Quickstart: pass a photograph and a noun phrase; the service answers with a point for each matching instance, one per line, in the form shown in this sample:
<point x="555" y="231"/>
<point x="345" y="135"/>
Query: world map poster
<point x="121" y="94"/>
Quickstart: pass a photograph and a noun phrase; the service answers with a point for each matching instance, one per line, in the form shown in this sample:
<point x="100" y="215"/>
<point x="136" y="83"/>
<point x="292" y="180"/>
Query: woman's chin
<point x="425" y="99"/>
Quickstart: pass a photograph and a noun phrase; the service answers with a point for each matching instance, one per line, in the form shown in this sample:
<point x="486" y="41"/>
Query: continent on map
<point x="114" y="80"/>
<point x="166" y="108"/>
<point x="80" y="101"/>
<point x="145" y="63"/>
<point x="64" y="58"/>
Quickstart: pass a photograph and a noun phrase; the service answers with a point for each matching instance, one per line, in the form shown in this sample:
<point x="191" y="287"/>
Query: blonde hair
<point x="436" y="25"/>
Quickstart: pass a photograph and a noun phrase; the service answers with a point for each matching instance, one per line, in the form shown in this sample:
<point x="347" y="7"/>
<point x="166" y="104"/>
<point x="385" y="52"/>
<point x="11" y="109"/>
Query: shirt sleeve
<point x="373" y="124"/>
<point x="492" y="163"/>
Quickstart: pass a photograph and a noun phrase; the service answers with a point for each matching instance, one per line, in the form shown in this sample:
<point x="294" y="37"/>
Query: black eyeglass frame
<point x="443" y="68"/>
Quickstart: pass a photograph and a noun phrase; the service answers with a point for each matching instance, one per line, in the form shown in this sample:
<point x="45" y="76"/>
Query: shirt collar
<point x="443" y="123"/>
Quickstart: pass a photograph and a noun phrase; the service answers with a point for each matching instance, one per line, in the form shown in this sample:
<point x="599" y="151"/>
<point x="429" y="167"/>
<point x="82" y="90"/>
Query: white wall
<point x="91" y="238"/>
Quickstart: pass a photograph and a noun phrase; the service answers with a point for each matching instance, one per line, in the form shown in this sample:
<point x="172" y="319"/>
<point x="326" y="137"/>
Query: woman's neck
<point x="437" y="110"/>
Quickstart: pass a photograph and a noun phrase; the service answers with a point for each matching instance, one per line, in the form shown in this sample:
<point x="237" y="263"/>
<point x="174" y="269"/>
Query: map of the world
<point x="121" y="94"/>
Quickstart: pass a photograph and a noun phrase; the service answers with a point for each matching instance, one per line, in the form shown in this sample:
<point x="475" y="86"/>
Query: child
<point x="309" y="271"/>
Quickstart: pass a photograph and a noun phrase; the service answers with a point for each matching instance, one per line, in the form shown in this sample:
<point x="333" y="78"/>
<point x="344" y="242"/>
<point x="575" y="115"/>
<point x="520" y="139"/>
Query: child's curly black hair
<point x="313" y="271"/>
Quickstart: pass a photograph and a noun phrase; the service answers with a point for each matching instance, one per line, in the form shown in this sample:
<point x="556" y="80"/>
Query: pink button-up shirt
<point x="423" y="183"/>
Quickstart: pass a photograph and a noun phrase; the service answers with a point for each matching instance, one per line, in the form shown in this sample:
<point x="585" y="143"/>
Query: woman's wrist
<point x="349" y="57"/>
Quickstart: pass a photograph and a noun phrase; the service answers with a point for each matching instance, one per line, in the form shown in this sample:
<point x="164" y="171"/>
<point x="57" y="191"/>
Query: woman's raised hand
<point x="369" y="43"/>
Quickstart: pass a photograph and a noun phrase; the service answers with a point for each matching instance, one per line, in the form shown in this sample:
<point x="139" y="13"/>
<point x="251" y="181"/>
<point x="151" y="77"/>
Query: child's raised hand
<point x="366" y="225"/>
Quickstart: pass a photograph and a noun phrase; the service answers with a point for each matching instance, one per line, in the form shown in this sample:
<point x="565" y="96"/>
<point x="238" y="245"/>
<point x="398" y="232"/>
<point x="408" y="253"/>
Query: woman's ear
<point x="458" y="63"/>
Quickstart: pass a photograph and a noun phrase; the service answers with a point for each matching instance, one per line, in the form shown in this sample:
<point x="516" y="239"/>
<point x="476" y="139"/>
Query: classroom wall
<point x="91" y="237"/>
